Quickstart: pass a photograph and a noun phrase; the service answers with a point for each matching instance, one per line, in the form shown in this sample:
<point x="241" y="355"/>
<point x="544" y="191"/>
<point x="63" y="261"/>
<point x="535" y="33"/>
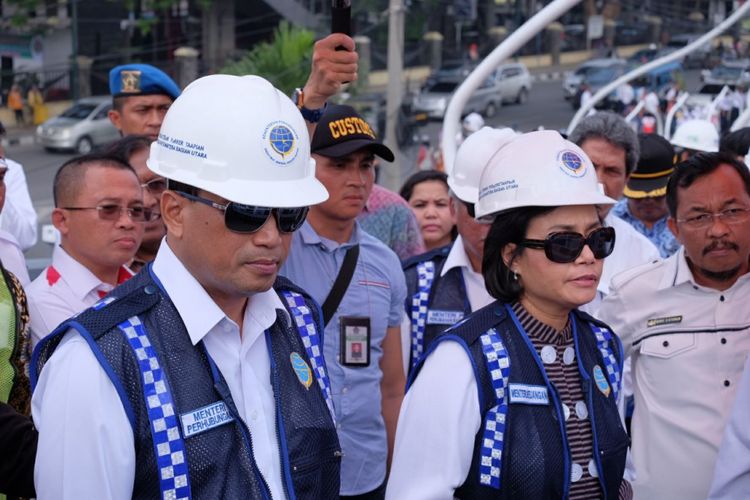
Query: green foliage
<point x="284" y="61"/>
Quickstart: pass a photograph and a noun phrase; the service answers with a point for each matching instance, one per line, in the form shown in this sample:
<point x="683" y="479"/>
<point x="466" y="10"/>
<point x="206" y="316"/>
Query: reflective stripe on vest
<point x="171" y="459"/>
<point x="311" y="340"/>
<point x="498" y="364"/>
<point x="419" y="306"/>
<point x="611" y="364"/>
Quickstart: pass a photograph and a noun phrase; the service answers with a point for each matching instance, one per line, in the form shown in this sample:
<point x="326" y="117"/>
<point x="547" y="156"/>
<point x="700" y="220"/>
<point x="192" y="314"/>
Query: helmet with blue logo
<point x="240" y="138"/>
<point x="697" y="135"/>
<point x="538" y="169"/>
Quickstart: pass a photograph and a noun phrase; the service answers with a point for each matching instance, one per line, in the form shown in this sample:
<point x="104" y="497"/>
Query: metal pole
<point x="74" y="48"/>
<point x="673" y="56"/>
<point x="502" y="52"/>
<point x="392" y="175"/>
<point x="672" y="112"/>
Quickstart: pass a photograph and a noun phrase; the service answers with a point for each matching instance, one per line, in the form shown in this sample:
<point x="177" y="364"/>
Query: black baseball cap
<point x="655" y="165"/>
<point x="341" y="131"/>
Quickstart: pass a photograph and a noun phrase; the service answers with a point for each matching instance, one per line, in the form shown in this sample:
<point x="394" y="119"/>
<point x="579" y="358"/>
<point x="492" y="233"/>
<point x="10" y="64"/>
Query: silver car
<point x="80" y="128"/>
<point x="510" y="82"/>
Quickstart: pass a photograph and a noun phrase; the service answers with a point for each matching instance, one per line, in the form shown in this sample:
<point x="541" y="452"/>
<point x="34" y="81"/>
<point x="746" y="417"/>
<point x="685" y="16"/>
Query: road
<point x="546" y="107"/>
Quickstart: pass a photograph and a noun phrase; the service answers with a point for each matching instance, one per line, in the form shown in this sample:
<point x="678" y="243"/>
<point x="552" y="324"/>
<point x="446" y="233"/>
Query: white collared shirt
<point x="85" y="439"/>
<point x="65" y="288"/>
<point x="18" y="216"/>
<point x="688" y="345"/>
<point x="12" y="257"/>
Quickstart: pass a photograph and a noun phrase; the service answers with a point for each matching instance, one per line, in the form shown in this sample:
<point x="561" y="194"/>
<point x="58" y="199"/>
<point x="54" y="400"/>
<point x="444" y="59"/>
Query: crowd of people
<point x="236" y="309"/>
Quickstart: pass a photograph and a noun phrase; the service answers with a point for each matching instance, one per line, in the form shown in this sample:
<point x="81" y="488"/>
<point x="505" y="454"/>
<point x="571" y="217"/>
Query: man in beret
<point x="645" y="203"/>
<point x="141" y="96"/>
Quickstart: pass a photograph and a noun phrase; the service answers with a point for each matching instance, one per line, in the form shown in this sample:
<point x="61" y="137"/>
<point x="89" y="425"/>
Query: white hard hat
<point x="473" y="122"/>
<point x="538" y="169"/>
<point x="698" y="135"/>
<point x="471" y="158"/>
<point x="240" y="138"/>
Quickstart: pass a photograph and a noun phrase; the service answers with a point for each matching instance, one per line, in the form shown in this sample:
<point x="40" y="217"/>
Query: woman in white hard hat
<point x="519" y="400"/>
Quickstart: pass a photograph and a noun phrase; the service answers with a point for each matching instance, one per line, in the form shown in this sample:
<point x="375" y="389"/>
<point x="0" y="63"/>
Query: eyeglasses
<point x="113" y="212"/>
<point x="729" y="216"/>
<point x="565" y="247"/>
<point x="156" y="186"/>
<point x="249" y="219"/>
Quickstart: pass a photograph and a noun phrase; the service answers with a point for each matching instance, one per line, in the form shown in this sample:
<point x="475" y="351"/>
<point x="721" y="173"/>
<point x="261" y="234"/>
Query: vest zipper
<point x="244" y="430"/>
<point x="280" y="435"/>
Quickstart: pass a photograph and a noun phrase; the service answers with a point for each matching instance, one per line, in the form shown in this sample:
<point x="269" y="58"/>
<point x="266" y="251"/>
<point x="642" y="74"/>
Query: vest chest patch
<point x="528" y="394"/>
<point x="601" y="380"/>
<point x="301" y="369"/>
<point x="205" y="418"/>
<point x="438" y="317"/>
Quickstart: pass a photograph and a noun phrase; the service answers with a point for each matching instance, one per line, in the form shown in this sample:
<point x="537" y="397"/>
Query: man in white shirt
<point x="685" y="323"/>
<point x="613" y="148"/>
<point x="11" y="254"/>
<point x="19" y="217"/>
<point x="100" y="215"/>
<point x="203" y="375"/>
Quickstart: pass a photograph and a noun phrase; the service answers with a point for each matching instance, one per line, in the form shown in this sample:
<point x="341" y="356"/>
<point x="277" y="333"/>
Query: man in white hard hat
<point x="694" y="136"/>
<point x="202" y="376"/>
<point x="358" y="281"/>
<point x="471" y="123"/>
<point x="613" y="148"/>
<point x="685" y="323"/>
<point x="446" y="284"/>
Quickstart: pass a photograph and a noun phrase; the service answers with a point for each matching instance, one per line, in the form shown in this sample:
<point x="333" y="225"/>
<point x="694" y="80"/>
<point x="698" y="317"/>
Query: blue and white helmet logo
<point x="280" y="143"/>
<point x="571" y="163"/>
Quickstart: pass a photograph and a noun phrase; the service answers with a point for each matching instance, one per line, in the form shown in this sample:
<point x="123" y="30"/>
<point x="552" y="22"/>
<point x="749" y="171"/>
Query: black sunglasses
<point x="249" y="219"/>
<point x="565" y="247"/>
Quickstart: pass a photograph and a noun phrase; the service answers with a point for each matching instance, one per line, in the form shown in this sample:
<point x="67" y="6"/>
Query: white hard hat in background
<point x="471" y="158"/>
<point x="538" y="169"/>
<point x="472" y="123"/>
<point x="240" y="138"/>
<point x="698" y="135"/>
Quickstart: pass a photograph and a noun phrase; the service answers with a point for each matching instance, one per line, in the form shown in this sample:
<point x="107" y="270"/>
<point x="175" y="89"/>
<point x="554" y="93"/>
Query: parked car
<point x="728" y="73"/>
<point x="596" y="69"/>
<point x="697" y="57"/>
<point x="80" y="128"/>
<point x="372" y="108"/>
<point x="510" y="82"/>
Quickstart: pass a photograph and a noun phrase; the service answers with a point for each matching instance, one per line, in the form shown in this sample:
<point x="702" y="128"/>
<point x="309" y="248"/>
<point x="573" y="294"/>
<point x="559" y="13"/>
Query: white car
<point x="80" y="128"/>
<point x="510" y="82"/>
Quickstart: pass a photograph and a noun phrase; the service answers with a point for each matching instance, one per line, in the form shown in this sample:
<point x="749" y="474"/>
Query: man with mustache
<point x="685" y="323"/>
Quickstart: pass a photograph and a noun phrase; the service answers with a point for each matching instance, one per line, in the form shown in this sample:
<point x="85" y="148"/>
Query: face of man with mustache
<point x="713" y="223"/>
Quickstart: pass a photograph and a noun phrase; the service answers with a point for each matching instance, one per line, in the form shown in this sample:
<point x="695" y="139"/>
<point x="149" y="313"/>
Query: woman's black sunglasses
<point x="565" y="247"/>
<point x="249" y="219"/>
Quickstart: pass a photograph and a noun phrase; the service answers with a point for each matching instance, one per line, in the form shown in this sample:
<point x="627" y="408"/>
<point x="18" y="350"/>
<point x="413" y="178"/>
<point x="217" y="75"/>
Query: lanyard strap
<point x="341" y="284"/>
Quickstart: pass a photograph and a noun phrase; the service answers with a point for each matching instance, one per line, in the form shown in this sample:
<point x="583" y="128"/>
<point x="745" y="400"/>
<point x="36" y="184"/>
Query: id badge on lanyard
<point x="355" y="335"/>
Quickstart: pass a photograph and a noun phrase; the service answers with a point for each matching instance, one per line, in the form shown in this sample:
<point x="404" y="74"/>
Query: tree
<point x="284" y="61"/>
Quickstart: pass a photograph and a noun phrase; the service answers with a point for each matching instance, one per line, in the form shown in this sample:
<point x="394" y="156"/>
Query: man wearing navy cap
<point x="141" y="96"/>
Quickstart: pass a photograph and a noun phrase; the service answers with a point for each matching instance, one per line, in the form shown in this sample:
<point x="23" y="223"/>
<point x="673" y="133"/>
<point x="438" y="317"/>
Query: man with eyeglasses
<point x="685" y="322"/>
<point x="202" y="376"/>
<point x="100" y="215"/>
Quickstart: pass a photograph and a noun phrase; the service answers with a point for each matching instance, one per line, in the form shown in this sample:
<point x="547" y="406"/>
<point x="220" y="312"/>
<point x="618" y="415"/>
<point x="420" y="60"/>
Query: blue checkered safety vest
<point x="521" y="449"/>
<point x="190" y="441"/>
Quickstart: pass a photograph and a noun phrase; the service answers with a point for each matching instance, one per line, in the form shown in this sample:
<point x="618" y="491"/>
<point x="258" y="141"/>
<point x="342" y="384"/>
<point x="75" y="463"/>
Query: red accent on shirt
<point x="52" y="276"/>
<point x="123" y="275"/>
<point x="101" y="293"/>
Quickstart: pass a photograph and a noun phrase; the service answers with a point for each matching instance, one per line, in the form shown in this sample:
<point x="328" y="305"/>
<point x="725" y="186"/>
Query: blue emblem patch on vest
<point x="601" y="380"/>
<point x="528" y="394"/>
<point x="438" y="317"/>
<point x="205" y="418"/>
<point x="301" y="369"/>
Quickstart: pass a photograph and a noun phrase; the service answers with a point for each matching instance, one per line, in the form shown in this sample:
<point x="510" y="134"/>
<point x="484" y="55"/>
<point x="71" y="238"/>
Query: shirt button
<point x="727" y="383"/>
<point x="254" y="415"/>
<point x="548" y="354"/>
<point x="576" y="472"/>
<point x="665" y="343"/>
<point x="344" y="390"/>
<point x="581" y="411"/>
<point x="723" y="340"/>
<point x="721" y="298"/>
